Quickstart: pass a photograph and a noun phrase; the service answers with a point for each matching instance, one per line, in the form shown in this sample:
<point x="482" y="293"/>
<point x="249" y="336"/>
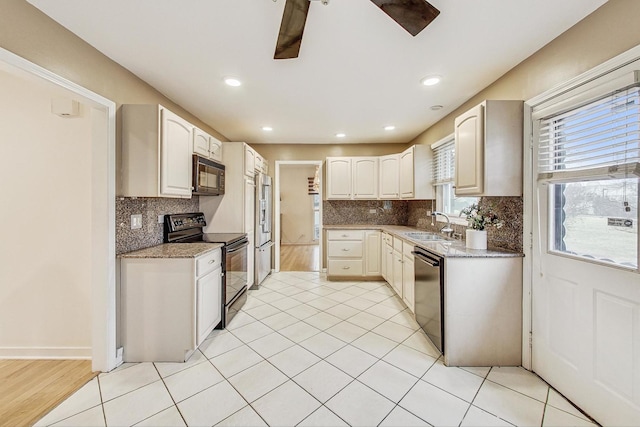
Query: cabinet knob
<point x="345" y="250"/>
<point x="212" y="261"/>
<point x="346" y="267"/>
<point x="345" y="235"/>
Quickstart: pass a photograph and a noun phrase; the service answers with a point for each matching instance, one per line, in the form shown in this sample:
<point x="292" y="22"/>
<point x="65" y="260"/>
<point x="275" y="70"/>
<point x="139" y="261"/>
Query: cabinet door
<point x="388" y="260"/>
<point x="365" y="177"/>
<point x="408" y="283"/>
<point x="383" y="260"/>
<point x="406" y="173"/>
<point x="469" y="140"/>
<point x="397" y="272"/>
<point x="389" y="185"/>
<point x="175" y="154"/>
<point x="338" y="178"/>
<point x="249" y="205"/>
<point x="372" y="262"/>
<point x="209" y="304"/>
<point x="249" y="161"/>
<point x="215" y="149"/>
<point x="200" y="143"/>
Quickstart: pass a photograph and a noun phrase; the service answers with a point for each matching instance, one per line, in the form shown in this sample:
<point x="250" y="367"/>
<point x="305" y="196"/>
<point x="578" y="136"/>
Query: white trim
<point x="276" y="196"/>
<point x="83" y="353"/>
<point x="527" y="237"/>
<point x="596" y="72"/>
<point x="103" y="300"/>
<point x="444" y="140"/>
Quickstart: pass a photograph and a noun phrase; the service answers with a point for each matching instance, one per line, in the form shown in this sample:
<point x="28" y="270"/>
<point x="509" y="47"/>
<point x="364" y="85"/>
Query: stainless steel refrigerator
<point x="264" y="215"/>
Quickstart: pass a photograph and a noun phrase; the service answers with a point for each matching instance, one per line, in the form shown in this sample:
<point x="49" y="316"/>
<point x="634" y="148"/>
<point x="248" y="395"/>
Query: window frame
<point x="589" y="92"/>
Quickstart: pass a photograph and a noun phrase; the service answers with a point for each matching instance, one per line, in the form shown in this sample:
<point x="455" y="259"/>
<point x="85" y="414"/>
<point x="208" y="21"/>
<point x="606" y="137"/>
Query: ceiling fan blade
<point x="412" y="15"/>
<point x="291" y="29"/>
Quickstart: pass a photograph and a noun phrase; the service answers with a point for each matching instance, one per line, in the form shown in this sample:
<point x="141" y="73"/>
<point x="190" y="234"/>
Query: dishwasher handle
<point x="428" y="260"/>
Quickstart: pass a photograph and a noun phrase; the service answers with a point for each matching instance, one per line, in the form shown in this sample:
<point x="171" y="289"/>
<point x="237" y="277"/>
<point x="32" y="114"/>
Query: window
<point x="590" y="157"/>
<point x="443" y="178"/>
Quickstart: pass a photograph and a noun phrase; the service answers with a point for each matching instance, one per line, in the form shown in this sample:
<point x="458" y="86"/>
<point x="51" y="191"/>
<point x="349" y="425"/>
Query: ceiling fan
<point x="412" y="15"/>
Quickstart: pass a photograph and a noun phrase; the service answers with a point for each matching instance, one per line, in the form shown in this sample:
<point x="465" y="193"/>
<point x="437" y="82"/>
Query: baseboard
<point x="300" y="244"/>
<point x="45" y="353"/>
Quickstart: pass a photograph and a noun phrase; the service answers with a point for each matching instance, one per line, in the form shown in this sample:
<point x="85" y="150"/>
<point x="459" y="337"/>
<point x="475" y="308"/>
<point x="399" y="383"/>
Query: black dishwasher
<point x="429" y="295"/>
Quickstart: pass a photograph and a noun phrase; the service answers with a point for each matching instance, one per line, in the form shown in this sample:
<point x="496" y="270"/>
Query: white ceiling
<point x="357" y="71"/>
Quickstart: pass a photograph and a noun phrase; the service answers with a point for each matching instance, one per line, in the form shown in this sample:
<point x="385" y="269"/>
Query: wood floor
<point x="29" y="389"/>
<point x="299" y="258"/>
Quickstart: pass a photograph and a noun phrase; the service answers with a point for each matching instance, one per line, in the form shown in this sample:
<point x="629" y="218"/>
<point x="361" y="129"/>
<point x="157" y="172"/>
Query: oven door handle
<point x="237" y="248"/>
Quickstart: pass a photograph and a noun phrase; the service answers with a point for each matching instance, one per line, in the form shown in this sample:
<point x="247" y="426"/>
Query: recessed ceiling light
<point x="390" y="127"/>
<point x="340" y="135"/>
<point x="231" y="81"/>
<point x="431" y="80"/>
<point x="267" y="128"/>
<point x="436" y="107"/>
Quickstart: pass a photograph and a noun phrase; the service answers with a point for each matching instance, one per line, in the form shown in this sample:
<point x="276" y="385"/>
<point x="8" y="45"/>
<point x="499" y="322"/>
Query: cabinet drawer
<point x="344" y="249"/>
<point x="407" y="248"/>
<point x="344" y="267"/>
<point x="208" y="262"/>
<point x="345" y="234"/>
<point x="387" y="238"/>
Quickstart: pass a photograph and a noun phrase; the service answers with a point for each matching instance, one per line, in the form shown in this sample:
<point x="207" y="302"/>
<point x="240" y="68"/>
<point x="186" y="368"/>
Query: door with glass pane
<point x="586" y="284"/>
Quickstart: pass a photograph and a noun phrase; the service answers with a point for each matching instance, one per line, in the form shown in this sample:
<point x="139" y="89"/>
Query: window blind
<point x="596" y="140"/>
<point x="444" y="162"/>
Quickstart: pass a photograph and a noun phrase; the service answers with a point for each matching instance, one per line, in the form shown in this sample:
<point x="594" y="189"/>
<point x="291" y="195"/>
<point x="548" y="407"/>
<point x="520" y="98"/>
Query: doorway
<point x="583" y="257"/>
<point x="58" y="154"/>
<point x="298" y="215"/>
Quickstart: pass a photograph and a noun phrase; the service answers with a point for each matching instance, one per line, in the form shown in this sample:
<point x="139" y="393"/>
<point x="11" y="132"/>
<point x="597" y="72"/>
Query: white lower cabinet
<point x="169" y="305"/>
<point x="397" y="267"/>
<point x="353" y="253"/>
<point x="408" y="276"/>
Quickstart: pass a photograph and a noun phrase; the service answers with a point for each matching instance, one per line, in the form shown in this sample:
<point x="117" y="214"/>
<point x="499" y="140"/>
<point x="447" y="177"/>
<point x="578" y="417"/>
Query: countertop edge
<point x="172" y="250"/>
<point x="461" y="251"/>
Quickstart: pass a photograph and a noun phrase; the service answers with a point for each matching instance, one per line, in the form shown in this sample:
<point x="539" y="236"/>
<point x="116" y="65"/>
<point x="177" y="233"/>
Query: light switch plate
<point x="136" y="221"/>
<point x="160" y="219"/>
<point x="372" y="211"/>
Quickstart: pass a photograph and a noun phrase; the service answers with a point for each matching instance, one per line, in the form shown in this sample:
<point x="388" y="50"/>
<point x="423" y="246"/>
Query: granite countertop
<point x="447" y="248"/>
<point x="173" y="250"/>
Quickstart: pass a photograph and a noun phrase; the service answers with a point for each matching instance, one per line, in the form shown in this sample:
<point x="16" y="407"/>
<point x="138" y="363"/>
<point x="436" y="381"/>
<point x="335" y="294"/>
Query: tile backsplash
<point x="345" y="212"/>
<point x="150" y="234"/>
<point x="413" y="213"/>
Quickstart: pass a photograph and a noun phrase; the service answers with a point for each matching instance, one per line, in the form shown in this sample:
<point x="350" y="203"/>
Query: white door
<point x="407" y="173"/>
<point x="209" y="305"/>
<point x="585" y="277"/>
<point x="175" y="173"/>
<point x="390" y="176"/>
<point x="365" y="177"/>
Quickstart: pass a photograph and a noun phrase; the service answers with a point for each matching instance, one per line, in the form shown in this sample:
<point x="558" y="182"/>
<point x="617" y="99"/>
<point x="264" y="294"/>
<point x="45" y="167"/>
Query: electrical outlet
<point x="373" y="211"/>
<point x="160" y="219"/>
<point x="136" y="222"/>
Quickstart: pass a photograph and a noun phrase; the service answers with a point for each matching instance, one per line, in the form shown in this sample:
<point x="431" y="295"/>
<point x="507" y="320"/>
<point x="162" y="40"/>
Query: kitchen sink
<point x="424" y="236"/>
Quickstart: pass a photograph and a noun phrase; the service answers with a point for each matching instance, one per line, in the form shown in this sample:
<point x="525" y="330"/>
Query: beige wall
<point x="273" y="152"/>
<point x="29" y="33"/>
<point x="607" y="32"/>
<point x="45" y="254"/>
<point x="296" y="204"/>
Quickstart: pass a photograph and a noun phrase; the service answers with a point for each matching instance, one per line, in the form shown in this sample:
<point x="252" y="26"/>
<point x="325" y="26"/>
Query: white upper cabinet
<point x="201" y="144"/>
<point x="215" y="149"/>
<point x="416" y="181"/>
<point x="156" y="152"/>
<point x="389" y="185"/>
<point x="406" y="175"/>
<point x="175" y="169"/>
<point x="365" y="177"/>
<point x="339" y="178"/>
<point x="488" y="147"/>
<point x="249" y="161"/>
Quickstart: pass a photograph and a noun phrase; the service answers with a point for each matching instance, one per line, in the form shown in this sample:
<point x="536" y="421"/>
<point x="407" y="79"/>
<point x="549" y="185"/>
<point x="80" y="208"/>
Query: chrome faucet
<point x="447" y="228"/>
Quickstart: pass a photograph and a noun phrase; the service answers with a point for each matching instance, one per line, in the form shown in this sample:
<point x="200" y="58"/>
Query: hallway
<point x="299" y="258"/>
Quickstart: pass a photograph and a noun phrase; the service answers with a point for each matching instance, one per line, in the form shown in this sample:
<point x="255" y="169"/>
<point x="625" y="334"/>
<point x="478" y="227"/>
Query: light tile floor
<point x="308" y="352"/>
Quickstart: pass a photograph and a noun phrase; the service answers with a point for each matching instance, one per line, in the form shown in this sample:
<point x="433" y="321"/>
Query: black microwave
<point x="208" y="177"/>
